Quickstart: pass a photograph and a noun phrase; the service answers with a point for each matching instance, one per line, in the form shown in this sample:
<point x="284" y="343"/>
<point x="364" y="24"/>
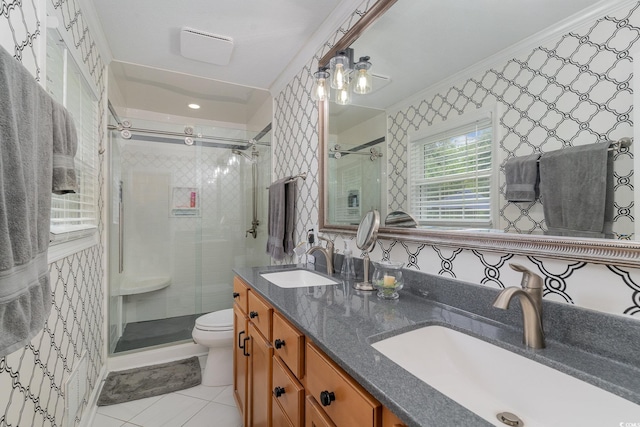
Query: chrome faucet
<point x="328" y="253"/>
<point x="530" y="295"/>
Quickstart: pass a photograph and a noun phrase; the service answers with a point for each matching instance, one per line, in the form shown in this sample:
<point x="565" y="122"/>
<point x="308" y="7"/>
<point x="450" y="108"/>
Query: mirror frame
<point x="614" y="252"/>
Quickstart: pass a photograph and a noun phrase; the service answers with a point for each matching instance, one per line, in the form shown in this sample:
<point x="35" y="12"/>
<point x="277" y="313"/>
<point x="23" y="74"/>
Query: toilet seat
<point x="221" y="320"/>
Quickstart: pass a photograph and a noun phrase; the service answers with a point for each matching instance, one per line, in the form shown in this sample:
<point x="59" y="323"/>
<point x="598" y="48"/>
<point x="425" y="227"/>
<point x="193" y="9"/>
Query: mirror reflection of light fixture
<point x="362" y="80"/>
<point x="321" y="91"/>
<point x="341" y="66"/>
<point x="343" y="96"/>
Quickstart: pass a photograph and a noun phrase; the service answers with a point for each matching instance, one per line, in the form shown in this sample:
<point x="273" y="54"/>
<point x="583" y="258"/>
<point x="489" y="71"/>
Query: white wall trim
<point x="586" y="16"/>
<point x="152" y="357"/>
<point x="63" y="250"/>
<point x="338" y="16"/>
<point x="89" y="414"/>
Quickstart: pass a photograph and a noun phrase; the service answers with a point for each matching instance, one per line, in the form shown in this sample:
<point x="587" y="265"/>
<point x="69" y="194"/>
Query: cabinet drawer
<point x="315" y="416"/>
<point x="343" y="400"/>
<point x="287" y="392"/>
<point x="278" y="418"/>
<point x="288" y="343"/>
<point x="260" y="314"/>
<point x="389" y="419"/>
<point x="240" y="291"/>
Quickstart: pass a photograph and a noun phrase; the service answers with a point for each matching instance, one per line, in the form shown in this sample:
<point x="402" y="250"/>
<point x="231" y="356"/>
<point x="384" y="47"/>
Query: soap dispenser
<point x="348" y="271"/>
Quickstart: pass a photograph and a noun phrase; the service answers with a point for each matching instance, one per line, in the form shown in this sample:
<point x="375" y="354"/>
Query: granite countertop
<point x="344" y="323"/>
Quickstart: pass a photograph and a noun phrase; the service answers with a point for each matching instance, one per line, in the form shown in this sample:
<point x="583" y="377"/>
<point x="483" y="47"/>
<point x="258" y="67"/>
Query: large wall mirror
<point x="458" y="89"/>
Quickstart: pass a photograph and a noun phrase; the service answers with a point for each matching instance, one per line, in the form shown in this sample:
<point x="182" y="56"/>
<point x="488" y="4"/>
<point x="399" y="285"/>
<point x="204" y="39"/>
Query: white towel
<point x="26" y="182"/>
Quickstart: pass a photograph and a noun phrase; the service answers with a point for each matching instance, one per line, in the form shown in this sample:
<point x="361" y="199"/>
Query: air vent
<point x="379" y="81"/>
<point x="205" y="47"/>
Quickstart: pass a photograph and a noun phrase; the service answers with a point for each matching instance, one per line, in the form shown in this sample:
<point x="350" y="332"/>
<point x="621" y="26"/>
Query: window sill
<point x="72" y="245"/>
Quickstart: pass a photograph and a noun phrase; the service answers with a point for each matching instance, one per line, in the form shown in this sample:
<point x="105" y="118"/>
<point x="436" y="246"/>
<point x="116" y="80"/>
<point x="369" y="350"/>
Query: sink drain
<point x="510" y="419"/>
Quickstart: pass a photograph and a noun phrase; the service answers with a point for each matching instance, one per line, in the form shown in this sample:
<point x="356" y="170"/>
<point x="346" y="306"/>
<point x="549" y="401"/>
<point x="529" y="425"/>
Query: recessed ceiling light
<point x="193" y="106"/>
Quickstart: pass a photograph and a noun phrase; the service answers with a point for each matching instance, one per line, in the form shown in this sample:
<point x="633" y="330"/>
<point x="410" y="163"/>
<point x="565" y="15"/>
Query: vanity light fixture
<point x="193" y="106"/>
<point x="341" y="66"/>
<point x="362" y="81"/>
<point x="321" y="92"/>
<point x="343" y="96"/>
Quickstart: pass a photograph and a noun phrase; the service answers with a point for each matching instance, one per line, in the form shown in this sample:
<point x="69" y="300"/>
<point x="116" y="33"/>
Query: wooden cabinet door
<point x="260" y="379"/>
<point x="315" y="416"/>
<point x="240" y="360"/>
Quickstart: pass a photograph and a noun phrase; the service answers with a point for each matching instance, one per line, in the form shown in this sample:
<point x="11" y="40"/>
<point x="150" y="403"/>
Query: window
<point x="450" y="176"/>
<point x="74" y="215"/>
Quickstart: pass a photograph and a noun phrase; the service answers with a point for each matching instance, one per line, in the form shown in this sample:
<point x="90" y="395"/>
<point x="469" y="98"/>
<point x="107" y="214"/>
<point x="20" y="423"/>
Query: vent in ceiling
<point x="205" y="47"/>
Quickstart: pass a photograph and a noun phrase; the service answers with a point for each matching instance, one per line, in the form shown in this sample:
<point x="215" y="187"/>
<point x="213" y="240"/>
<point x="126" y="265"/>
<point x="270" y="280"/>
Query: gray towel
<point x="276" y="224"/>
<point x="26" y="170"/>
<point x="576" y="185"/>
<point x="65" y="142"/>
<point x="522" y="178"/>
<point x="291" y="194"/>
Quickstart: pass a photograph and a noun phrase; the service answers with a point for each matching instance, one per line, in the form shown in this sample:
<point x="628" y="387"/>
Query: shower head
<point x="245" y="155"/>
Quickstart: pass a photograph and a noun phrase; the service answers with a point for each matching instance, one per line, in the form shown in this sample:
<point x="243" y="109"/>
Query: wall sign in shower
<point x="185" y="201"/>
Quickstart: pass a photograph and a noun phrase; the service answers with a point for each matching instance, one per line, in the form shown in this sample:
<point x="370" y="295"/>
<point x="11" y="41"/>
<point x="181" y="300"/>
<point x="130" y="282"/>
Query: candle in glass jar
<point x="389" y="281"/>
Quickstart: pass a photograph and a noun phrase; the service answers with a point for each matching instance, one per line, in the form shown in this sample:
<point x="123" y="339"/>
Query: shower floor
<point x="156" y="332"/>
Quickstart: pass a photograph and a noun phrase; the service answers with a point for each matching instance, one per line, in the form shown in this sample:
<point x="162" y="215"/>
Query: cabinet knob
<point x="253" y="314"/>
<point x="278" y="344"/>
<point x="236" y="294"/>
<point x="278" y="391"/>
<point x="326" y="397"/>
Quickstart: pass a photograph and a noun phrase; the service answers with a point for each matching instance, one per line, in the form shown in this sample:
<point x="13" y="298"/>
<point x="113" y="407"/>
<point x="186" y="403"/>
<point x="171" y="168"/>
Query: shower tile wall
<point x="32" y="378"/>
<point x="195" y="252"/>
<point x="608" y="288"/>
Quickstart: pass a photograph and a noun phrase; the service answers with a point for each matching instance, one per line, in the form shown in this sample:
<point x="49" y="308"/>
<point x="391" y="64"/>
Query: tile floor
<point x="198" y="406"/>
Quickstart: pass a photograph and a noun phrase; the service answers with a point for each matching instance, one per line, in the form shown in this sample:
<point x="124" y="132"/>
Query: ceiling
<point x="433" y="41"/>
<point x="151" y="73"/>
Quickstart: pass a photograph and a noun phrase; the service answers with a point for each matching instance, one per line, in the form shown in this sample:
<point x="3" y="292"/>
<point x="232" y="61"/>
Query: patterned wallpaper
<point x="572" y="67"/>
<point x="572" y="91"/>
<point x="32" y="379"/>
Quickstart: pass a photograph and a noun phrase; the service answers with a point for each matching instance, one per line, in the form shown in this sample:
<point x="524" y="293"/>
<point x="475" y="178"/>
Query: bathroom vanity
<point x="305" y="355"/>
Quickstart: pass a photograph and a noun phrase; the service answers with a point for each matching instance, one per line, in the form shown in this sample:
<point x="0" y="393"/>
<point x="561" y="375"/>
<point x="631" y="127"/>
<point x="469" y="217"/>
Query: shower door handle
<point x="240" y="345"/>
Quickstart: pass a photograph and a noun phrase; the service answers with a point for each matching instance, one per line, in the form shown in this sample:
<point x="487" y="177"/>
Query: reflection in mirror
<point x="400" y="219"/>
<point x="542" y="100"/>
<point x="356" y="163"/>
<point x="366" y="240"/>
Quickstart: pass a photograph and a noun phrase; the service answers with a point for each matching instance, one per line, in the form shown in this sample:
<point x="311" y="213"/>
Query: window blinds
<point x="450" y="176"/>
<point x="71" y="214"/>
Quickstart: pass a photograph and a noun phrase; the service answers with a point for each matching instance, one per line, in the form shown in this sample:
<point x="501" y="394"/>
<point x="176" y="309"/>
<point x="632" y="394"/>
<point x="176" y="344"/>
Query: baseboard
<point x="91" y="408"/>
<point x="155" y="356"/>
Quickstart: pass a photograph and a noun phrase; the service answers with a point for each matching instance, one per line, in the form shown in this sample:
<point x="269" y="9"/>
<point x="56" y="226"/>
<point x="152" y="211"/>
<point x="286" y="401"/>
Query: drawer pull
<point x="244" y="347"/>
<point x="253" y="314"/>
<point x="278" y="343"/>
<point x="236" y="294"/>
<point x="278" y="391"/>
<point x="240" y="344"/>
<point x="326" y="397"/>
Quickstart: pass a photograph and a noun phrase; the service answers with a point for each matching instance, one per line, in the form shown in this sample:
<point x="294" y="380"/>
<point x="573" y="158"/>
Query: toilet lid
<point x="221" y="320"/>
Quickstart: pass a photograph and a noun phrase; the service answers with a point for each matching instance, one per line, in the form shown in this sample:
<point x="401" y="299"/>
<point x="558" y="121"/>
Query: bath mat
<point x="148" y="381"/>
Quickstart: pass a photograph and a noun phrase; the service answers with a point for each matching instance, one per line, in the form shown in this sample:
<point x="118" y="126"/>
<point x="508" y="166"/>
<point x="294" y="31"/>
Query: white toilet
<point x="215" y="330"/>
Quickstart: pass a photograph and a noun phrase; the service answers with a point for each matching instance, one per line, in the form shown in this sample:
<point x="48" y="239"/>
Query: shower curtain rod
<point x="248" y="142"/>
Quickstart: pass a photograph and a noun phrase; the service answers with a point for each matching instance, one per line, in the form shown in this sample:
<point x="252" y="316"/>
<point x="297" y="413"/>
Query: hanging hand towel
<point x="522" y="178"/>
<point x="576" y="185"/>
<point x="26" y="182"/>
<point x="276" y="224"/>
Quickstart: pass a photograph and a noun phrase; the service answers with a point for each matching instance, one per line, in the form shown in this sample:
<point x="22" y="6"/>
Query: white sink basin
<point x="297" y="279"/>
<point x="488" y="379"/>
